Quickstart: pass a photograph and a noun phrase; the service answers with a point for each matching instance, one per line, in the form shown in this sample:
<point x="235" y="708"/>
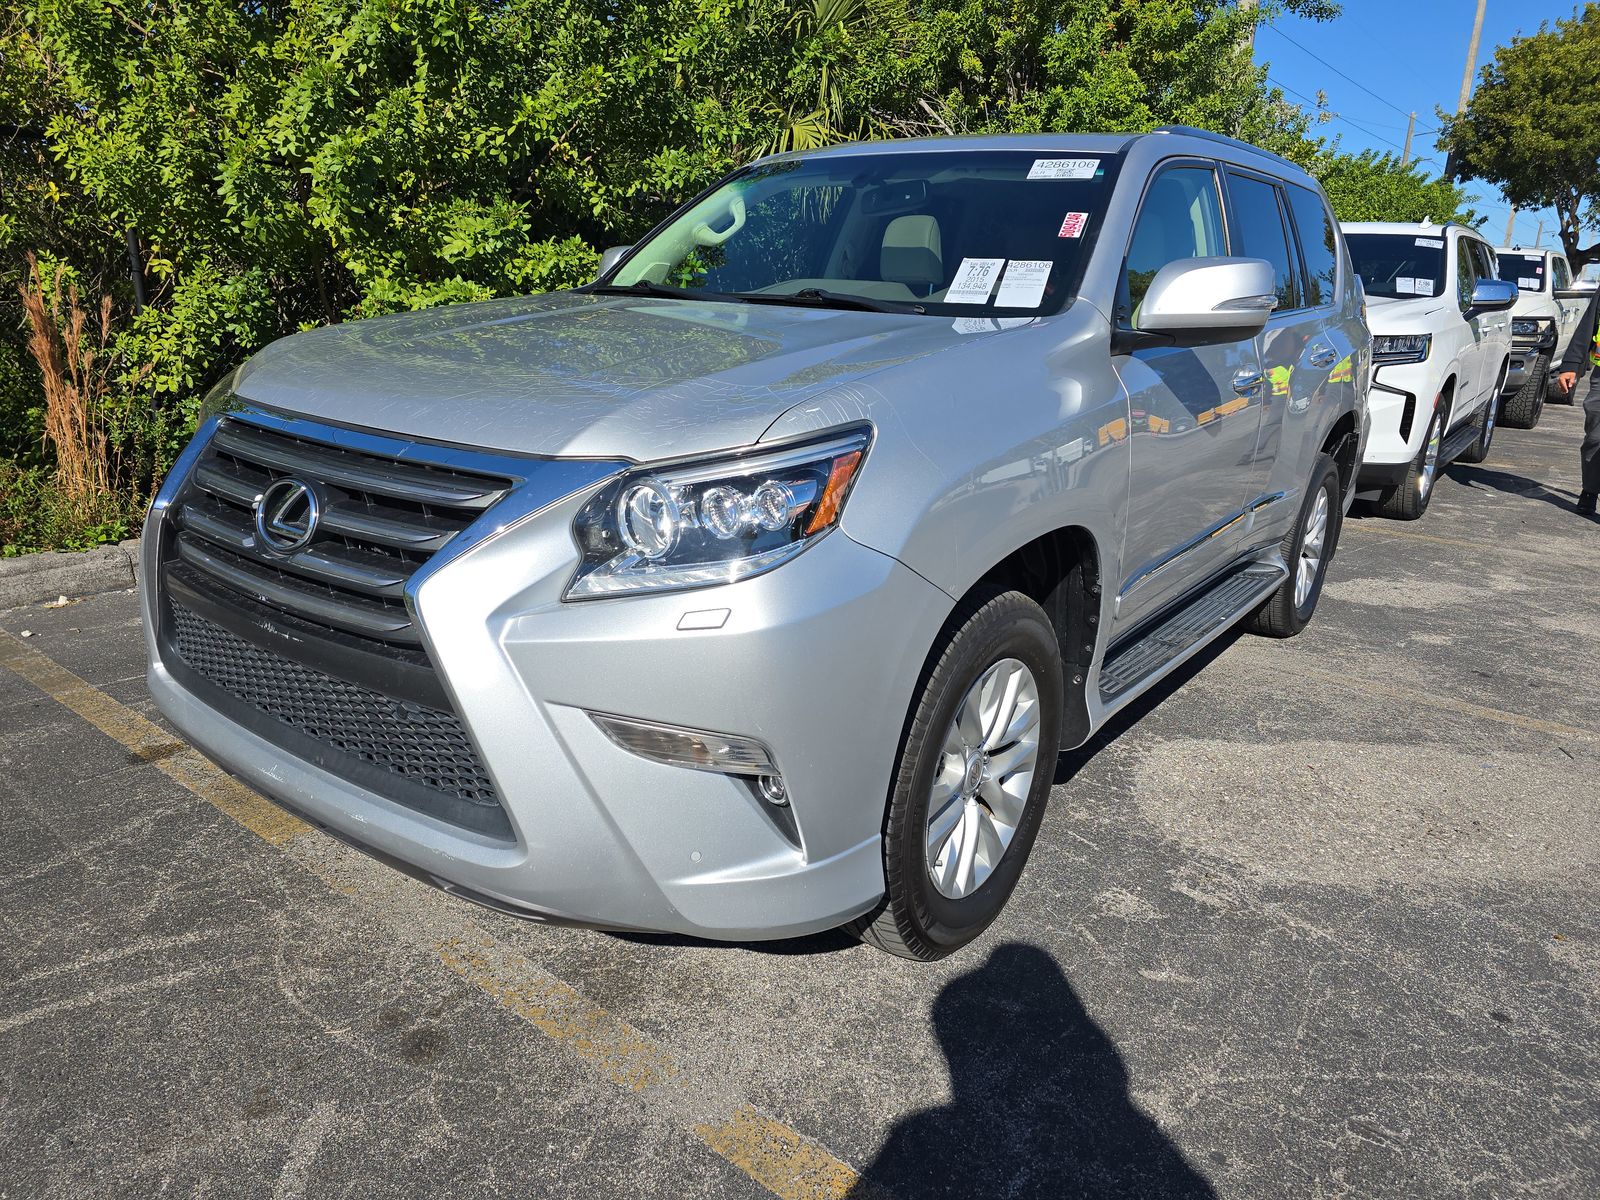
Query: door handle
<point x="1323" y="356"/>
<point x="1247" y="382"/>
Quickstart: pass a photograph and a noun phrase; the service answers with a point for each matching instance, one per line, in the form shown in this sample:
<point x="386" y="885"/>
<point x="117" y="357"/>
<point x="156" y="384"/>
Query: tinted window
<point x="1398" y="264"/>
<point x="1259" y="224"/>
<point x="1318" y="245"/>
<point x="1181" y="218"/>
<point x="1466" y="273"/>
<point x="1562" y="273"/>
<point x="1524" y="270"/>
<point x="963" y="232"/>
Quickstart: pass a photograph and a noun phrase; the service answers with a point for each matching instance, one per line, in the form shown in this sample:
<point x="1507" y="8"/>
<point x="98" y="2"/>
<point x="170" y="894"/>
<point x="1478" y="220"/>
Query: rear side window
<point x="1319" y="246"/>
<point x="1181" y="218"/>
<point x="1258" y="220"/>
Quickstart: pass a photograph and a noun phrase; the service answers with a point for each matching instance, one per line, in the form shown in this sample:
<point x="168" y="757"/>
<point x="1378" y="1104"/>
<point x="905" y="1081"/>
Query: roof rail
<point x="1191" y="131"/>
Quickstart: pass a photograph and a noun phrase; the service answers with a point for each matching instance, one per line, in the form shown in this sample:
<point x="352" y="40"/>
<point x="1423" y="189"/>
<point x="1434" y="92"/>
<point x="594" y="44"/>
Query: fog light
<point x="773" y="791"/>
<point x="697" y="749"/>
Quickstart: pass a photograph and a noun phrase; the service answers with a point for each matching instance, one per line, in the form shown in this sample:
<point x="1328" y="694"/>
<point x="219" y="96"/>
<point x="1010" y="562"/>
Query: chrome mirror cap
<point x="1203" y="294"/>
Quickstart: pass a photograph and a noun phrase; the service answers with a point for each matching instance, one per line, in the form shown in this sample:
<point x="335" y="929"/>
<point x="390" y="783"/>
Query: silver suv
<point x="753" y="589"/>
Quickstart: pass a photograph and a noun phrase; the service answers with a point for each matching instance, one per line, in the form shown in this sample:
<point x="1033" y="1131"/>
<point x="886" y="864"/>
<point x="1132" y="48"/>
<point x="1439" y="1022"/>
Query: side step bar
<point x="1214" y="609"/>
<point x="1458" y="441"/>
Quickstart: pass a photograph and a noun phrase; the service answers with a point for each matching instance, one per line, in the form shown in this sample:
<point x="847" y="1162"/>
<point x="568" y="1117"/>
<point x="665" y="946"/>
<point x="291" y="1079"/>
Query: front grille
<point x="381" y="520"/>
<point x="421" y="745"/>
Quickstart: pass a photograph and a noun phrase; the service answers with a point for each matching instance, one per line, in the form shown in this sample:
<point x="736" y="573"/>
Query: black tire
<point x="1282" y="615"/>
<point x="1523" y="409"/>
<point x="914" y="920"/>
<point x="1408" y="499"/>
<point x="1479" y="450"/>
<point x="1554" y="395"/>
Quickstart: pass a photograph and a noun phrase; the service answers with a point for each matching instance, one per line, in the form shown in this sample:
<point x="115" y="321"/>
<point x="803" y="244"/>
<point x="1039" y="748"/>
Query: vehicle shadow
<point x="1490" y="479"/>
<point x="1039" y="1101"/>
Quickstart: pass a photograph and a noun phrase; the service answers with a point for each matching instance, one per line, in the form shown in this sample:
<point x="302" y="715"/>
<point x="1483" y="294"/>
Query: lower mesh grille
<point x="420" y="744"/>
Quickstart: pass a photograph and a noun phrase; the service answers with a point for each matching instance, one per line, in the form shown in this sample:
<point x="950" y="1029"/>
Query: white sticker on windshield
<point x="964" y="325"/>
<point x="1431" y="243"/>
<point x="975" y="279"/>
<point x="1529" y="283"/>
<point x="1063" y="168"/>
<point x="1405" y="285"/>
<point x="1023" y="285"/>
<point x="1072" y="225"/>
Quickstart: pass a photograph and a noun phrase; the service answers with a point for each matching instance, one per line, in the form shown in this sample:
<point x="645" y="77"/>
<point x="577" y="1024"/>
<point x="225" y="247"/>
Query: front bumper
<point x="818" y="659"/>
<point x="1399" y="404"/>
<point x="1523" y="357"/>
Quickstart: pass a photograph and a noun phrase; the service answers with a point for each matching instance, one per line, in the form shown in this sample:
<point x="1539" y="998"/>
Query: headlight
<point x="1401" y="347"/>
<point x="711" y="521"/>
<point x="1524" y="327"/>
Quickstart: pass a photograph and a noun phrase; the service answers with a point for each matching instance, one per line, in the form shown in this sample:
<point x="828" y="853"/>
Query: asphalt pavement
<point x="1320" y="919"/>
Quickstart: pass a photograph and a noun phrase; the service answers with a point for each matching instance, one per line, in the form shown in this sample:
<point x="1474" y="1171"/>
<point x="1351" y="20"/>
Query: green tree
<point x="1533" y="127"/>
<point x="1375" y="187"/>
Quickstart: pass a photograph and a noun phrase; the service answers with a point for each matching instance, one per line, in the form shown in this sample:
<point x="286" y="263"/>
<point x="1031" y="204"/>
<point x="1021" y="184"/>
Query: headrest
<point x="911" y="252"/>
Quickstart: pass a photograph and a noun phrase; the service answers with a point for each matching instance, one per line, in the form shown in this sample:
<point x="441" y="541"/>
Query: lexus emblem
<point x="287" y="515"/>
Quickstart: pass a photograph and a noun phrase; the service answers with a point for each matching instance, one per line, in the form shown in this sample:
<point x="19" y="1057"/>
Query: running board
<point x="1457" y="442"/>
<point x="1214" y="609"/>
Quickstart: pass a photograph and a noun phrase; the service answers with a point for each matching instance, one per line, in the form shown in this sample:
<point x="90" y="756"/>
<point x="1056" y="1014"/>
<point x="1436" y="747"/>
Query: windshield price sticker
<point x="1431" y="243"/>
<point x="1063" y="168"/>
<point x="1406" y="285"/>
<point x="1528" y="283"/>
<point x="975" y="279"/>
<point x="1072" y="225"/>
<point x="1024" y="282"/>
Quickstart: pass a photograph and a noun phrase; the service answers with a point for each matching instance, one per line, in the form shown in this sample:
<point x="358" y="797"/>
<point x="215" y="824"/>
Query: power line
<point x="1337" y="116"/>
<point x="1402" y="111"/>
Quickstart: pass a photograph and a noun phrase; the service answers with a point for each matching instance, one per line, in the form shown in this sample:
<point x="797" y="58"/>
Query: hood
<point x="1391" y="314"/>
<point x="586" y="375"/>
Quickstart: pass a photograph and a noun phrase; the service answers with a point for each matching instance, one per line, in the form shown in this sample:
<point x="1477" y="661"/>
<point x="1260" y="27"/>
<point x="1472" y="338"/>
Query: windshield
<point x="1399" y="265"/>
<point x="1524" y="270"/>
<point x="965" y="232"/>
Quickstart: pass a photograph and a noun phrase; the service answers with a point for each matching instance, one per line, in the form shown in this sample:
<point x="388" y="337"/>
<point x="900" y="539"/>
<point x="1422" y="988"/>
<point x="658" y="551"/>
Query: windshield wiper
<point x="821" y="298"/>
<point x="643" y="287"/>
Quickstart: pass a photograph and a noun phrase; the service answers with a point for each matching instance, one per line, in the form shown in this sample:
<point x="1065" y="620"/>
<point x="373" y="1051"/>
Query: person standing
<point x="1575" y="363"/>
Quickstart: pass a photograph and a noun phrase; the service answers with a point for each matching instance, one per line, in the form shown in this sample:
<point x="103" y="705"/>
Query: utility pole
<point x="1539" y="238"/>
<point x="1249" y="6"/>
<point x="1511" y="227"/>
<point x="1405" y="155"/>
<point x="1466" y="81"/>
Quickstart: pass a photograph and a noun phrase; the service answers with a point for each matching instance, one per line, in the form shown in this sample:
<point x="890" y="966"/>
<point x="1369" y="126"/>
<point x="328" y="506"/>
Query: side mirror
<point x="1493" y="295"/>
<point x="1209" y="299"/>
<point x="609" y="258"/>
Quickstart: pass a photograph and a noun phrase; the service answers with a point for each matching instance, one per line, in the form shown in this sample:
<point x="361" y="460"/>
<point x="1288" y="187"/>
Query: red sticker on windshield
<point x="1072" y="225"/>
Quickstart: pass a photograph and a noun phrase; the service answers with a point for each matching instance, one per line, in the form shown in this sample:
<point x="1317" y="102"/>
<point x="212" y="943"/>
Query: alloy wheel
<point x="1430" y="458"/>
<point x="984" y="776"/>
<point x="1312" y="547"/>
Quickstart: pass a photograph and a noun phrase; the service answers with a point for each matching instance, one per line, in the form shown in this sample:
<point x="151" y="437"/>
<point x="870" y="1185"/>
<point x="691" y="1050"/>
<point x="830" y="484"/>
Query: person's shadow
<point x="1041" y="1104"/>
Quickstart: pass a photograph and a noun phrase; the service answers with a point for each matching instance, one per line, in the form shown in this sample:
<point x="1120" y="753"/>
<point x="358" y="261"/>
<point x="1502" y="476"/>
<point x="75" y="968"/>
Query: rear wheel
<point x="1479" y="450"/>
<point x="970" y="787"/>
<point x="1307" y="550"/>
<point x="1523" y="410"/>
<point x="1408" y="499"/>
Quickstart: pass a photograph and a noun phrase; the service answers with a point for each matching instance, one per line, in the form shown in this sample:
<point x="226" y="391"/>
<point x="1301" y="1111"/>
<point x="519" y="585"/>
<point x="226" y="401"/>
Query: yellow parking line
<point x="768" y="1151"/>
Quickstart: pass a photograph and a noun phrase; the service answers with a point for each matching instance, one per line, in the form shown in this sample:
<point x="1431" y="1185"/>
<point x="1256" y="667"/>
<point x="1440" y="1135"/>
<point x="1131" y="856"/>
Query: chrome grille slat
<point x="382" y="575"/>
<point x="370" y="619"/>
<point x="357" y="472"/>
<point x="381" y="519"/>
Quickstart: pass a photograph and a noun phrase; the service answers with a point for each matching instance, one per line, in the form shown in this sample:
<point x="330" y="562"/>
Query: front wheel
<point x="975" y="768"/>
<point x="1523" y="410"/>
<point x="1307" y="549"/>
<point x="1408" y="499"/>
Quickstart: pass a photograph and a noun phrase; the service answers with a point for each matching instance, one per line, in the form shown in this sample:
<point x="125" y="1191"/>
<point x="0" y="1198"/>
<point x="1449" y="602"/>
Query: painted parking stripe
<point x="781" y="1160"/>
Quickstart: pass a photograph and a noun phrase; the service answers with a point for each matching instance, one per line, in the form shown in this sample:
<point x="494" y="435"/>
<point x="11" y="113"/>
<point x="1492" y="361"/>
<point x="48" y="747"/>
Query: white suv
<point x="1546" y="315"/>
<point x="1441" y="329"/>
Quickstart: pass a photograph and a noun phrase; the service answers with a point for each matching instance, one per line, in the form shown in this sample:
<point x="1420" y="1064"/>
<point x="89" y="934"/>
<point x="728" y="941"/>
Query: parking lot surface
<point x="1319" y="919"/>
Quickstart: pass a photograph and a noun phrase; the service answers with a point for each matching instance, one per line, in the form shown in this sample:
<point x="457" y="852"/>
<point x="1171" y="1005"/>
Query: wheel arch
<point x="1060" y="570"/>
<point x="1342" y="444"/>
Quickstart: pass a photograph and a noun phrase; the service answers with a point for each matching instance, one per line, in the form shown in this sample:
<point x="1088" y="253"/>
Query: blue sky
<point x="1402" y="55"/>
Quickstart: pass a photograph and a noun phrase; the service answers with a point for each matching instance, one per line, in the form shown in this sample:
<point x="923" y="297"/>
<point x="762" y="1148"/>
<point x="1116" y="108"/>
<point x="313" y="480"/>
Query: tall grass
<point x="74" y="365"/>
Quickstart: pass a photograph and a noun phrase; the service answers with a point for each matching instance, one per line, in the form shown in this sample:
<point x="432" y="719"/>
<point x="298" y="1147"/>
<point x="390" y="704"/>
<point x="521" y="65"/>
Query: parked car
<point x="753" y="589"/>
<point x="1546" y="315"/>
<point x="1441" y="342"/>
